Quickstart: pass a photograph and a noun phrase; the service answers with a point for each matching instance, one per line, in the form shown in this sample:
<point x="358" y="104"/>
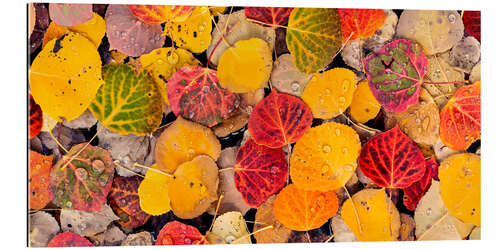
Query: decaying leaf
<point x="113" y="236"/>
<point x="441" y="151"/>
<point x="325" y="157"/>
<point x="286" y="78"/>
<point x="42" y="228"/>
<point x="124" y="196"/>
<point x="465" y="54"/>
<point x="407" y="230"/>
<point x="232" y="227"/>
<point x="341" y="232"/>
<point x="232" y="124"/>
<point x="475" y="74"/>
<point x="364" y="106"/>
<point x="84" y="121"/>
<point x="87" y="223"/>
<point x="378" y="217"/>
<point x="66" y="14"/>
<point x="265" y="217"/>
<point x="69" y="239"/>
<point x="138" y="239"/>
<point x="39" y="179"/>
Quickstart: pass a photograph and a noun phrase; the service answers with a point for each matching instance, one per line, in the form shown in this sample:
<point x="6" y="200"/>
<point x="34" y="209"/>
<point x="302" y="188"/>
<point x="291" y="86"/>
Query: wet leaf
<point x="395" y="74"/>
<point x="69" y="239"/>
<point x="364" y="106"/>
<point x="461" y="118"/>
<point x="42" y="228"/>
<point x="39" y="177"/>
<point x="472" y="23"/>
<point x="232" y="227"/>
<point x="246" y="66"/>
<point x="302" y="210"/>
<point x="378" y="217"/>
<point x="417" y="190"/>
<point x="157" y="14"/>
<point x="286" y="78"/>
<point x="264" y="217"/>
<point x="124" y="195"/>
<point x="313" y="37"/>
<point x="279" y="119"/>
<point x="460" y="176"/>
<point x="269" y="15"/>
<point x="361" y="23"/>
<point x="66" y="14"/>
<point x="392" y="160"/>
<point x="35" y="118"/>
<point x="87" y="223"/>
<point x="259" y="172"/>
<point x="177" y="233"/>
<point x="94" y="29"/>
<point x="181" y="142"/>
<point x="194" y="33"/>
<point x="329" y="93"/>
<point x="65" y="76"/>
<point x="153" y="192"/>
<point x="325" y="157"/>
<point x="435" y="30"/>
<point x="195" y="94"/>
<point x="84" y="182"/>
<point x="128" y="103"/>
<point x="232" y="124"/>
<point x="129" y="35"/>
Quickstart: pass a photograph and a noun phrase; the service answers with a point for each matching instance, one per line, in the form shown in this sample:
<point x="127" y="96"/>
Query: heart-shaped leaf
<point x="360" y="23"/>
<point x="123" y="195"/>
<point x="39" y="179"/>
<point x="158" y="14"/>
<point x="82" y="180"/>
<point x="279" y="119"/>
<point x="177" y="233"/>
<point x="65" y="76"/>
<point x="461" y="118"/>
<point x="67" y="14"/>
<point x="269" y="15"/>
<point x="194" y="93"/>
<point x="128" y="103"/>
<point x="194" y="33"/>
<point x="259" y="172"/>
<point x="313" y="37"/>
<point x="303" y="210"/>
<point x="35" y="118"/>
<point x="364" y="106"/>
<point x="325" y="157"/>
<point x="392" y="160"/>
<point x="395" y="74"/>
<point x="472" y="23"/>
<point x="129" y="35"/>
<point x="69" y="239"/>
<point x="415" y="191"/>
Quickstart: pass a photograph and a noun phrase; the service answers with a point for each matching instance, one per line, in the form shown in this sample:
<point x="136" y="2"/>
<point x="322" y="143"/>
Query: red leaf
<point x="461" y="118"/>
<point x="39" y="193"/>
<point x="69" y="239"/>
<point x="124" y="197"/>
<point x="279" y="119"/>
<point x="195" y="94"/>
<point x="270" y="15"/>
<point x="259" y="172"/>
<point x="36" y="118"/>
<point x="84" y="183"/>
<point x="177" y="233"/>
<point x="392" y="160"/>
<point x="472" y="23"/>
<point x="415" y="191"/>
<point x="361" y="23"/>
<point x="157" y="14"/>
<point x="395" y="74"/>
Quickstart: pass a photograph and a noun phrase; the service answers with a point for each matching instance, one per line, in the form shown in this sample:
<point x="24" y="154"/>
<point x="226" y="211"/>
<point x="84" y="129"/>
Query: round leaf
<point x="302" y="210"/>
<point x="67" y="14"/>
<point x="325" y="157"/>
<point x="39" y="177"/>
<point x="128" y="103"/>
<point x="123" y="195"/>
<point x="177" y="233"/>
<point x="364" y="106"/>
<point x="69" y="239"/>
<point x="246" y="66"/>
<point x="157" y="14"/>
<point x="153" y="192"/>
<point x="360" y="23"/>
<point x="472" y="23"/>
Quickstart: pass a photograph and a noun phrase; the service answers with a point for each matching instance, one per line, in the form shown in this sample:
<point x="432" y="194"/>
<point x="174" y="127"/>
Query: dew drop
<point x="98" y="166"/>
<point x="422" y="21"/>
<point x="69" y="204"/>
<point x="325" y="168"/>
<point x="327" y="91"/>
<point x="191" y="151"/>
<point x="428" y="211"/>
<point x="348" y="168"/>
<point x="451" y="18"/>
<point x="187" y="241"/>
<point x="321" y="101"/>
<point x="337" y="131"/>
<point x="295" y="86"/>
<point x="38" y="166"/>
<point x="173" y="58"/>
<point x="341" y="99"/>
<point x="345" y="150"/>
<point x="345" y="85"/>
<point x="327" y="148"/>
<point x="205" y="89"/>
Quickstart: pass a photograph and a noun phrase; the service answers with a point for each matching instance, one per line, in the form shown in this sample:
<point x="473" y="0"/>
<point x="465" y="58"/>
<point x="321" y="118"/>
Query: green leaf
<point x="313" y="37"/>
<point x="127" y="103"/>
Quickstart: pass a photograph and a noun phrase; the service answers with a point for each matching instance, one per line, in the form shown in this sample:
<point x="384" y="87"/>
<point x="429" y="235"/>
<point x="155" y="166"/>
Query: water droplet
<point x="159" y="61"/>
<point x="341" y="99"/>
<point x="201" y="28"/>
<point x="325" y="168"/>
<point x="173" y="58"/>
<point x="321" y="101"/>
<point x="98" y="165"/>
<point x="187" y="241"/>
<point x="38" y="166"/>
<point x="122" y="34"/>
<point x="314" y="78"/>
<point x="345" y="85"/>
<point x="451" y="18"/>
<point x="42" y="179"/>
<point x="230" y="239"/>
<point x="81" y="174"/>
<point x="348" y="168"/>
<point x="191" y="151"/>
<point x="274" y="170"/>
<point x="327" y="91"/>
<point x="337" y="131"/>
<point x="422" y="22"/>
<point x="295" y="86"/>
<point x="428" y="211"/>
<point x="327" y="148"/>
<point x="345" y="150"/>
<point x="69" y="204"/>
<point x="417" y="121"/>
<point x="117" y="33"/>
<point x="205" y="89"/>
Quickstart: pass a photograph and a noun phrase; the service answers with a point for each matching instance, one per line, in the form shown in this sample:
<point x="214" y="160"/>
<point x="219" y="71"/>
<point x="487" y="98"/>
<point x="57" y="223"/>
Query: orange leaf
<point x="361" y="23"/>
<point x="39" y="193"/>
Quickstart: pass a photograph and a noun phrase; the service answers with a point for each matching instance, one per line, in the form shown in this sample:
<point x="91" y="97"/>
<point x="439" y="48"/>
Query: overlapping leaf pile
<point x="185" y="121"/>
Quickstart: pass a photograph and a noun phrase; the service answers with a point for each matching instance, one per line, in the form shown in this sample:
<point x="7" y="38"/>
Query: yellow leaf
<point x="48" y="123"/>
<point x="460" y="177"/>
<point x="193" y="34"/>
<point x="232" y="227"/>
<point x="182" y="141"/>
<point x="153" y="192"/>
<point x="65" y="76"/>
<point x="325" y="157"/>
<point x="246" y="66"/>
<point x="372" y="206"/>
<point x="364" y="106"/>
<point x="328" y="94"/>
<point x="194" y="187"/>
<point x="94" y="29"/>
<point x="217" y="10"/>
<point x="164" y="62"/>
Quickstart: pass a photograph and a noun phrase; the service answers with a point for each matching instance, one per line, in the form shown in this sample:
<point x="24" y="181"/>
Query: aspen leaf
<point x="93" y="29"/>
<point x="87" y="223"/>
<point x="153" y="192"/>
<point x="377" y="216"/>
<point x="475" y="74"/>
<point x="177" y="233"/>
<point x="39" y="179"/>
<point x="328" y="94"/>
<point x="362" y="23"/>
<point x="65" y="76"/>
<point x="69" y="239"/>
<point x="232" y="227"/>
<point x="246" y="66"/>
<point x="194" y="187"/>
<point x="42" y="228"/>
<point x="128" y="103"/>
<point x="124" y="196"/>
<point x="35" y="118"/>
<point x="193" y="34"/>
<point x="157" y="14"/>
<point x="269" y="15"/>
<point x="265" y="216"/>
<point x="182" y="141"/>
<point x="417" y="190"/>
<point x="325" y="157"/>
<point x="67" y="14"/>
<point x="302" y="210"/>
<point x="313" y="37"/>
<point x="341" y="232"/>
<point x="472" y="23"/>
<point x="364" y="106"/>
<point x="286" y="78"/>
<point x="460" y="177"/>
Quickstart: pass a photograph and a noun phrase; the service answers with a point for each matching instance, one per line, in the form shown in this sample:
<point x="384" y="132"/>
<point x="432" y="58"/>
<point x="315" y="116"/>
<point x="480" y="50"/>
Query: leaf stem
<point x="355" y="210"/>
<point x="258" y="231"/>
<point x="83" y="148"/>
<point x="57" y="141"/>
<point x="152" y="169"/>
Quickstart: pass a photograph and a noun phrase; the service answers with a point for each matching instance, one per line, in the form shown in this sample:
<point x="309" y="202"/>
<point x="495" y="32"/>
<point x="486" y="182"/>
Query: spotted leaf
<point x="361" y="23"/>
<point x="194" y="33"/>
<point x="395" y="74"/>
<point x="414" y="192"/>
<point x="123" y="195"/>
<point x="269" y="15"/>
<point x="39" y="179"/>
<point x="157" y="14"/>
<point x="177" y="233"/>
<point x="259" y="172"/>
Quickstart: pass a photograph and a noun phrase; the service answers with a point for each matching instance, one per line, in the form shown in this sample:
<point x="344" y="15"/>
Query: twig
<point x="81" y="150"/>
<point x="355" y="210"/>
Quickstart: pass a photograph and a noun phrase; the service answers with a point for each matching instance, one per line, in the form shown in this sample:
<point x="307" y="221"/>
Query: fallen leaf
<point x="35" y="118"/>
<point x="39" y="177"/>
<point x="93" y="29"/>
<point x="153" y="192"/>
<point x="194" y="33"/>
<point x="66" y="14"/>
<point x="143" y="238"/>
<point x="269" y="15"/>
<point x="286" y="78"/>
<point x="158" y="14"/>
<point x="475" y="234"/>
<point x="87" y="223"/>
<point x="364" y="106"/>
<point x="42" y="228"/>
<point x="84" y="121"/>
<point x="69" y="239"/>
<point x="472" y="23"/>
<point x="177" y="233"/>
<point x="475" y="74"/>
<point x="231" y="226"/>
<point x="414" y="192"/>
<point x="360" y="23"/>
<point x="114" y="236"/>
<point x="124" y="195"/>
<point x="232" y="124"/>
<point x="265" y="217"/>
<point x="465" y="54"/>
